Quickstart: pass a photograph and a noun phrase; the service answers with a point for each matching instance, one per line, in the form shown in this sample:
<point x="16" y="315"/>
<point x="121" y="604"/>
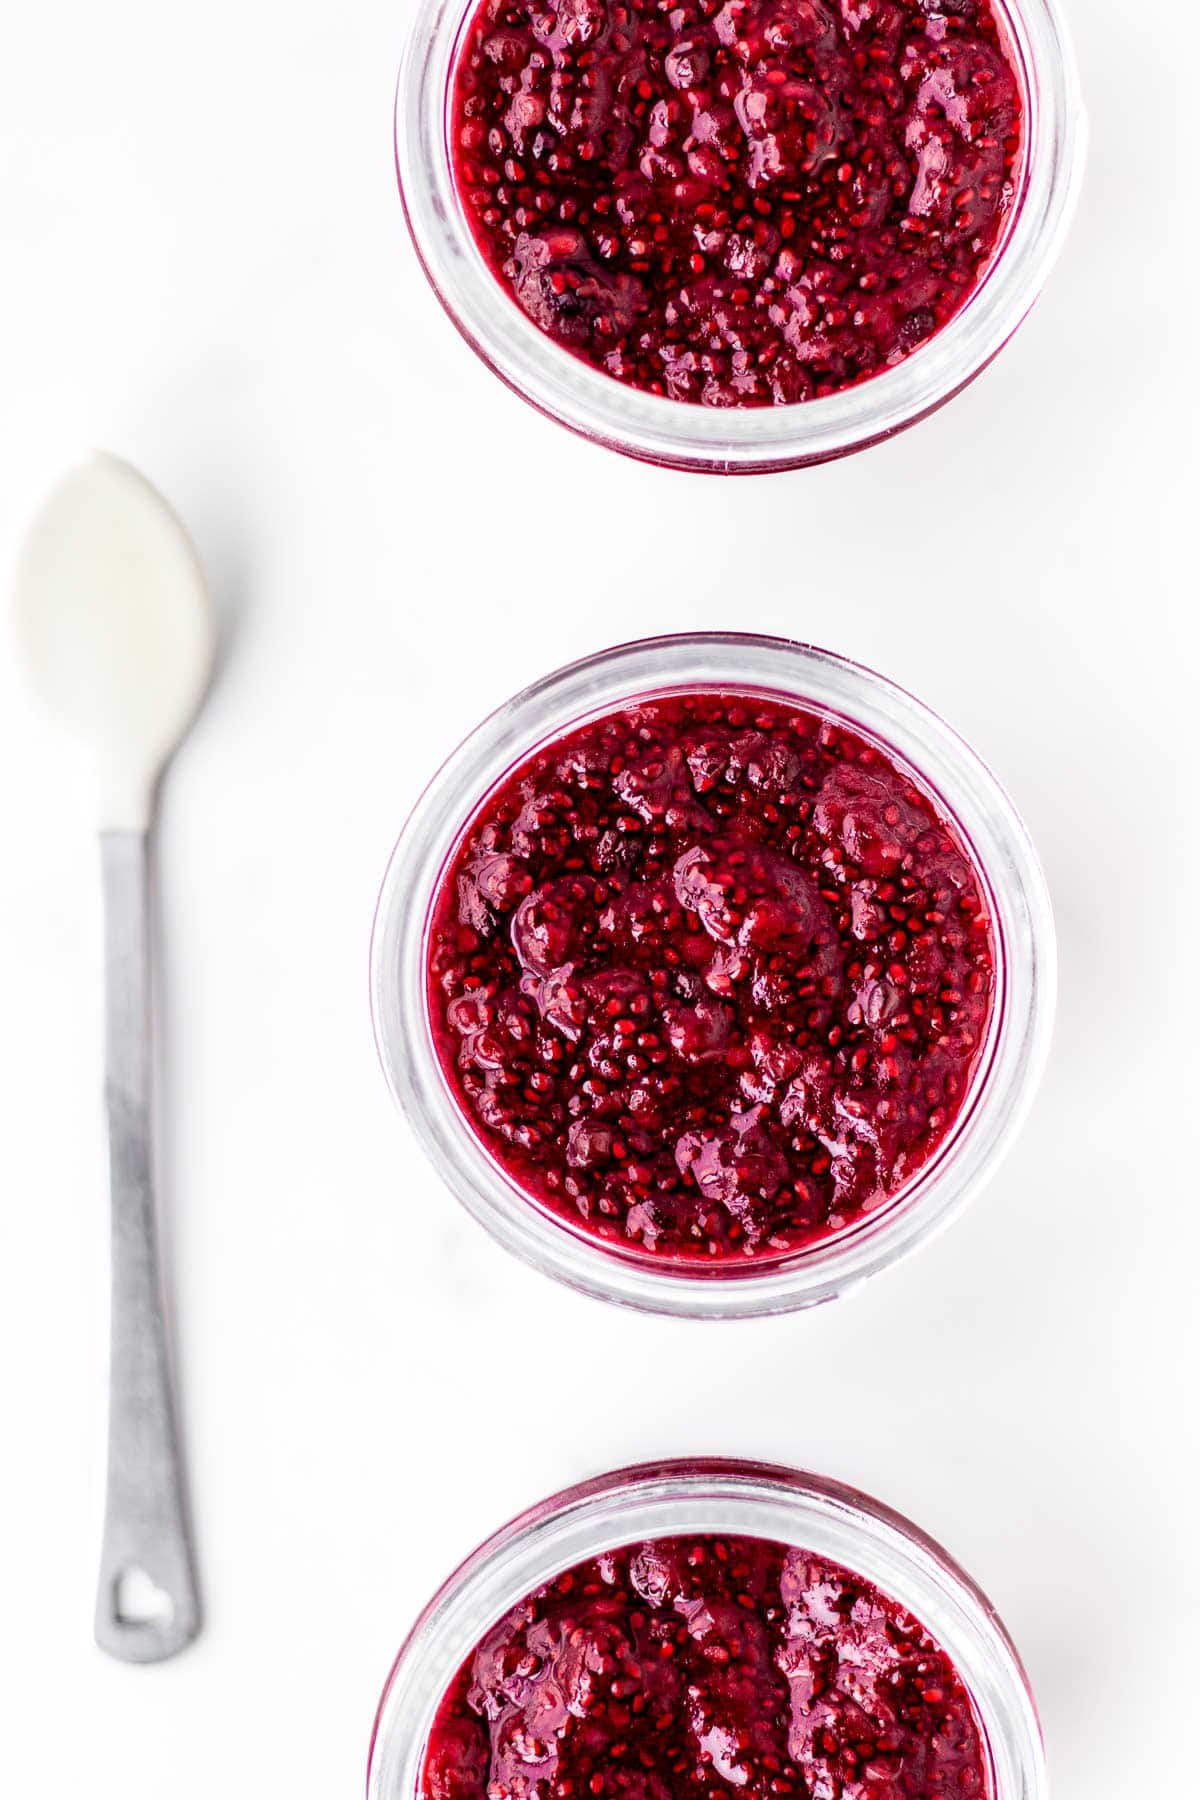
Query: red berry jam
<point x="690" y="1667"/>
<point x="709" y="976"/>
<point x="739" y="204"/>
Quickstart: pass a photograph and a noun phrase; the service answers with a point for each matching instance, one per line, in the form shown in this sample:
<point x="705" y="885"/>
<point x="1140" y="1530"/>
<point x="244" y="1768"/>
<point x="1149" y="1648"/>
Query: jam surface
<point x="737" y="204"/>
<point x="709" y="976"/>
<point x="693" y="1667"/>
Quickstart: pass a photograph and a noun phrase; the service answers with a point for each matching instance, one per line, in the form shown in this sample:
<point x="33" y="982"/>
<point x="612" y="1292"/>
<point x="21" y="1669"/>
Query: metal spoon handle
<point x="146" y="1605"/>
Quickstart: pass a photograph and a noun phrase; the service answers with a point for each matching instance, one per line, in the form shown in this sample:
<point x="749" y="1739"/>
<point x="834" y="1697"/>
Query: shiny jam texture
<point x="743" y="204"/>
<point x="709" y="976"/>
<point x="697" y="1666"/>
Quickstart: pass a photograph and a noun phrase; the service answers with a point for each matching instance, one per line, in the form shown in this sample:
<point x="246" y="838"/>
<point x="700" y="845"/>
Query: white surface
<point x="205" y="268"/>
<point x="116" y="626"/>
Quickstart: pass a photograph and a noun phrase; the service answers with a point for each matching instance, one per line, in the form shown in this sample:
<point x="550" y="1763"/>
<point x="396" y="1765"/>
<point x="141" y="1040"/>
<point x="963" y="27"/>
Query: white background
<point x="204" y="267"/>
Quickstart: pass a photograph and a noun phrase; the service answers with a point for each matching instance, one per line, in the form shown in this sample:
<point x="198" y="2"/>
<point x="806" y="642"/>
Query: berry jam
<point x="690" y="1667"/>
<point x="709" y="976"/>
<point x="739" y="204"/>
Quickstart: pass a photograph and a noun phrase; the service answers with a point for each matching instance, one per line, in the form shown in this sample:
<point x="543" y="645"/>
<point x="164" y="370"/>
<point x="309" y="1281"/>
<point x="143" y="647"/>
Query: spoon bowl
<point x="117" y="627"/>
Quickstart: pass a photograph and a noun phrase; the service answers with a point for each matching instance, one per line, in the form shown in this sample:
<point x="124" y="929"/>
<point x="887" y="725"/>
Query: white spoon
<point x="118" y="633"/>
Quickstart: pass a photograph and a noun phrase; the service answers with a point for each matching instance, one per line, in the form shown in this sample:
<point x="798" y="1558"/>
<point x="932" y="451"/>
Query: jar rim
<point x="1009" y="1065"/>
<point x="711" y="1495"/>
<point x="744" y="440"/>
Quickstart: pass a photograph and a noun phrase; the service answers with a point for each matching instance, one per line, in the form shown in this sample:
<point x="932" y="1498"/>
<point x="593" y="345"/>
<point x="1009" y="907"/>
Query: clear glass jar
<point x="964" y="791"/>
<point x="751" y="439"/>
<point x="742" y="1498"/>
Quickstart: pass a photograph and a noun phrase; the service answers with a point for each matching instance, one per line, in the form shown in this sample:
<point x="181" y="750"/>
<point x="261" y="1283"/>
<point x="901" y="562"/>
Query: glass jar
<point x="737" y="1498"/>
<point x="964" y="792"/>
<point x="749" y="439"/>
